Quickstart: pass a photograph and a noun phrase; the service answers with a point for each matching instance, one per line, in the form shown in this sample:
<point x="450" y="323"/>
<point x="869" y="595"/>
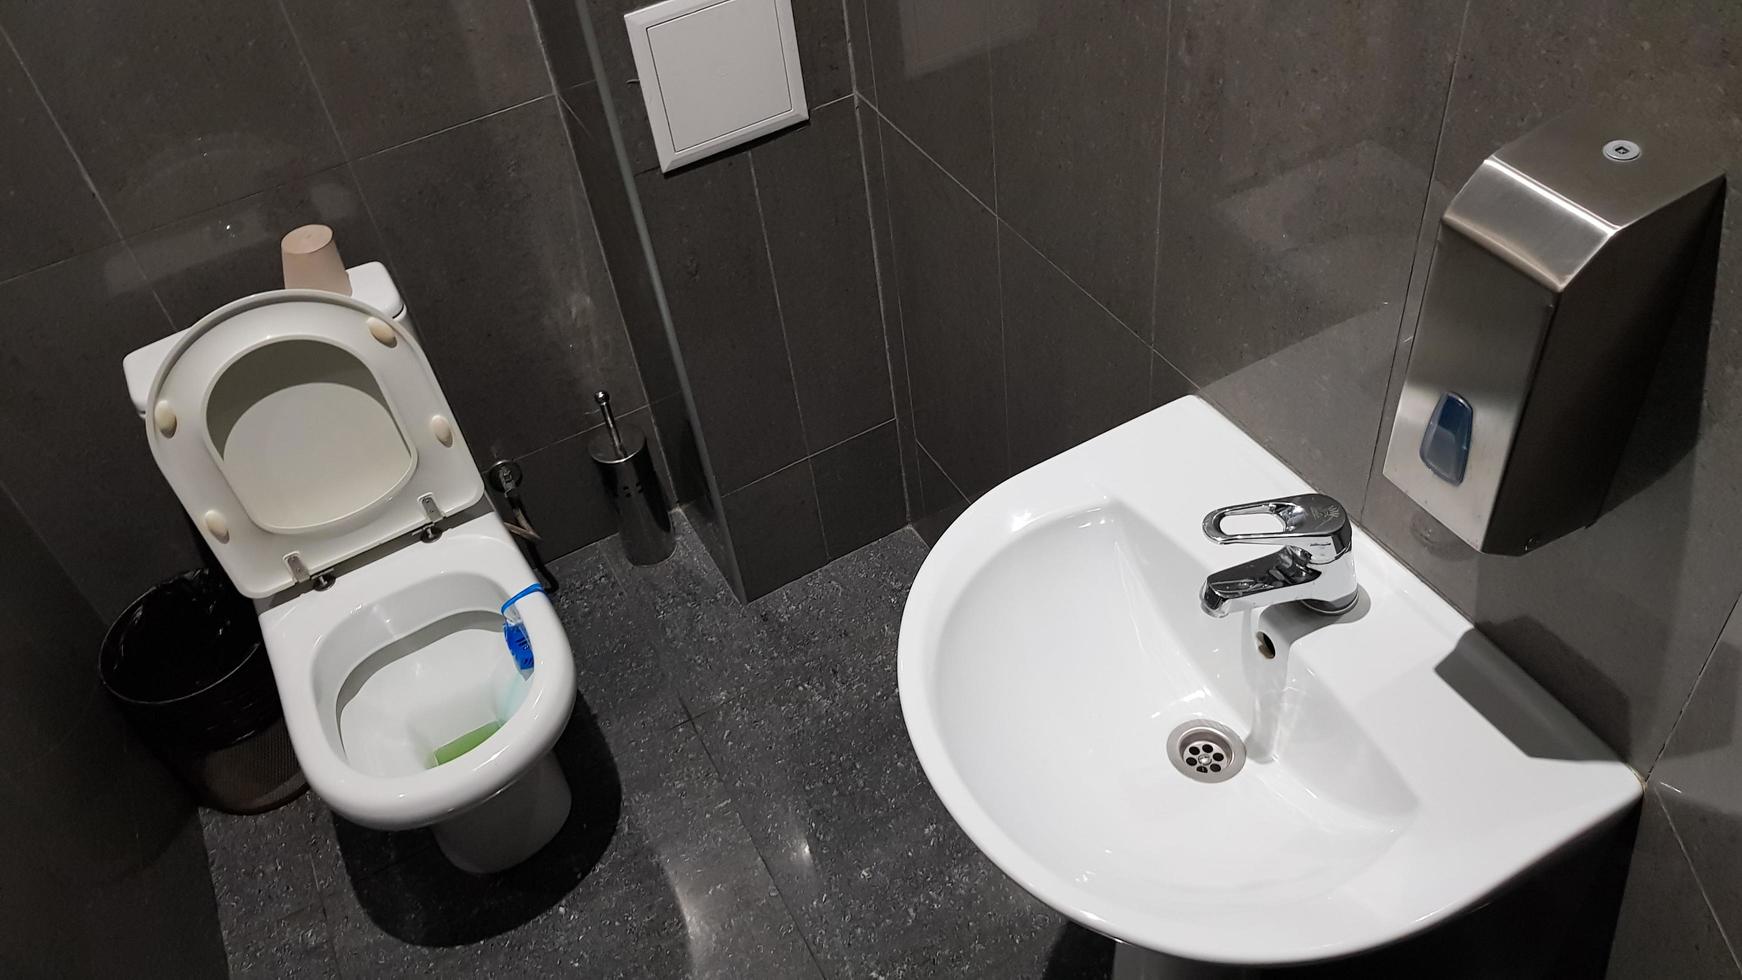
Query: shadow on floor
<point x="412" y="893"/>
<point x="1079" y="954"/>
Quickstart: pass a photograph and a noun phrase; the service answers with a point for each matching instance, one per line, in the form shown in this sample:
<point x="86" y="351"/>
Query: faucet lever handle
<point x="1313" y="522"/>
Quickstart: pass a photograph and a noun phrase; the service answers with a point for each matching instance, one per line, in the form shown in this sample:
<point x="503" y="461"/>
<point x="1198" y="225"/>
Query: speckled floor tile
<point x="671" y="888"/>
<point x="822" y="837"/>
<point x="261" y="866"/>
<point x="883" y="882"/>
<point x="295" y="947"/>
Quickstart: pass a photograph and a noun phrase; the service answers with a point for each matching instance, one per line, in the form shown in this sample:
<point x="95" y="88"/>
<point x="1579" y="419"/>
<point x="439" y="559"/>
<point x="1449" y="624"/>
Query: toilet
<point x="309" y="441"/>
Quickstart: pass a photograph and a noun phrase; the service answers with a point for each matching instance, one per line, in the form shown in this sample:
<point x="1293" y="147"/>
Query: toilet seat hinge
<point x="299" y="573"/>
<point x="433" y="514"/>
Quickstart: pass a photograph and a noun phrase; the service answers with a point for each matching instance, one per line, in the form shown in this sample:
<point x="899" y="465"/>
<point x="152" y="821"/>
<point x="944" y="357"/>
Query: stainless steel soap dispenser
<point x="1556" y="273"/>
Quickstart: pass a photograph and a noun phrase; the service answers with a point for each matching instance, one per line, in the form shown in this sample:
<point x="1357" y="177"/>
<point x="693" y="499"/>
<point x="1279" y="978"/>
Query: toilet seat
<point x="315" y="652"/>
<point x="300" y="428"/>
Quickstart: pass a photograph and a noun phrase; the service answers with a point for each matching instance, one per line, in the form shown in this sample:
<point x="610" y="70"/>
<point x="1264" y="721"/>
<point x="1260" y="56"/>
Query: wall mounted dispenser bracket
<point x="1556" y="273"/>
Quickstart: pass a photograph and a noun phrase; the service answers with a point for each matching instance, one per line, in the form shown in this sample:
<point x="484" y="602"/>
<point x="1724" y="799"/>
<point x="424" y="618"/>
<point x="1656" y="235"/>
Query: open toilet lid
<point x="301" y="428"/>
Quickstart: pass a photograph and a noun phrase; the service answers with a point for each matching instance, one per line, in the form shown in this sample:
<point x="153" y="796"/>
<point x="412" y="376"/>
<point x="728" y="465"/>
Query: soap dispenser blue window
<point x="1445" y="444"/>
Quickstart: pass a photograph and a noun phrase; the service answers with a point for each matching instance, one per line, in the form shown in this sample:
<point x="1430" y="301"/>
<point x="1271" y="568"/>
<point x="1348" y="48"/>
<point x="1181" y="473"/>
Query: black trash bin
<point x="188" y="668"/>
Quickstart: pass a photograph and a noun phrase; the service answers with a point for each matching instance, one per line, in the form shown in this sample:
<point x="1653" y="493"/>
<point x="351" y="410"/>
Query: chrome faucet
<point x="1313" y="567"/>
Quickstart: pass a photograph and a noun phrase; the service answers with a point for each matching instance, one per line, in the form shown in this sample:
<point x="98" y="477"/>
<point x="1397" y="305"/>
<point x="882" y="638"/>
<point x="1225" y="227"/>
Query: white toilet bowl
<point x="306" y="436"/>
<point x="406" y="654"/>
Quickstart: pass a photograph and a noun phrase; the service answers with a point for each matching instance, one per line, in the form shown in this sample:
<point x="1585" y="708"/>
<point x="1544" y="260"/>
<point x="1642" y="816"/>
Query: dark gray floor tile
<point x="946" y="271"/>
<point x="200" y="263"/>
<point x="396" y="70"/>
<point x="882" y="881"/>
<point x="49" y="211"/>
<point x="488" y="229"/>
<point x="181" y="117"/>
<point x="1665" y="928"/>
<point x="67" y="328"/>
<point x="1078" y="97"/>
<point x="615" y="632"/>
<point x="295" y="947"/>
<point x="710" y="650"/>
<point x="932" y="79"/>
<point x="859" y="489"/>
<point x="846" y="607"/>
<point x="777" y="530"/>
<point x="670" y="886"/>
<point x="263" y="868"/>
<point x="1074" y="370"/>
<point x="812" y="190"/>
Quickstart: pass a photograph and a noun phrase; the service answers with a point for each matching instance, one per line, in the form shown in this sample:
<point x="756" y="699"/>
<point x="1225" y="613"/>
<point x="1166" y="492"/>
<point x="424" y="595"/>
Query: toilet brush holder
<point x="626" y="467"/>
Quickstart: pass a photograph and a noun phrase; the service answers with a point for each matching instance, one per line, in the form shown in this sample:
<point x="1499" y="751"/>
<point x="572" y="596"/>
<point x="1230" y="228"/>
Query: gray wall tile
<point x="565" y="43"/>
<point x="97" y="833"/>
<point x="565" y="496"/>
<point x="1571" y="613"/>
<point x="202" y="262"/>
<point x="394" y="70"/>
<point x="47" y="211"/>
<point x="1078" y="98"/>
<point x="487" y="229"/>
<point x="713" y="261"/>
<point x="1074" y="370"/>
<point x="1696" y="778"/>
<point x="777" y="532"/>
<point x="1665" y="928"/>
<point x="620" y="240"/>
<point x="175" y="107"/>
<point x="889" y="297"/>
<point x="931" y="78"/>
<point x="1298" y="150"/>
<point x="80" y="470"/>
<point x="946" y="268"/>
<point x="859" y="489"/>
<point x="811" y="185"/>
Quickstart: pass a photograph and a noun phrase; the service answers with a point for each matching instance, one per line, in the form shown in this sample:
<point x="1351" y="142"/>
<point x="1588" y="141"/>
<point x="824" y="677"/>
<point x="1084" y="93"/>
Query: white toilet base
<point x="511" y="826"/>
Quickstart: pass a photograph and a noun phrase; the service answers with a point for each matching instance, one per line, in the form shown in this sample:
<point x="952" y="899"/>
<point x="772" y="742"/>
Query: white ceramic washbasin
<point x="1400" y="771"/>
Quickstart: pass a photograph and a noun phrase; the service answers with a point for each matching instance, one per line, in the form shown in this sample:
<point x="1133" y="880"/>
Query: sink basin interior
<point x="1097" y="594"/>
<point x="1398" y="768"/>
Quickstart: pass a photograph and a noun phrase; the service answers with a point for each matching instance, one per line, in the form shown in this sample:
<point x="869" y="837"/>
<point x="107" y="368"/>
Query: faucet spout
<point x="1312" y="568"/>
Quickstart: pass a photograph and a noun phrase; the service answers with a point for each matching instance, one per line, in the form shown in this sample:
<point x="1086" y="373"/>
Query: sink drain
<point x="1206" y="751"/>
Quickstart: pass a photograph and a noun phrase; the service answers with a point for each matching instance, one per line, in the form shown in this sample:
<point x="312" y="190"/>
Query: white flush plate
<point x="715" y="73"/>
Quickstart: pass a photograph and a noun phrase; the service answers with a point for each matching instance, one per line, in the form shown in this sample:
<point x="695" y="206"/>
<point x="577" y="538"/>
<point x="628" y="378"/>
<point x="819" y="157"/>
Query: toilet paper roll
<point x="311" y="261"/>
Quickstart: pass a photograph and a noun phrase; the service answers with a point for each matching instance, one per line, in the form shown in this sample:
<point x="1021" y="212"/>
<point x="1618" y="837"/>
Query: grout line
<point x="1699" y="884"/>
<point x="350" y="164"/>
<point x="786" y="345"/>
<point x="66" y="141"/>
<point x="779" y="308"/>
<point x="916" y="496"/>
<point x="1160" y="185"/>
<point x="314" y="82"/>
<point x="808" y="457"/>
<point x="940" y="468"/>
<point x="882" y="289"/>
<point x="921" y="150"/>
<point x="762" y="858"/>
<point x="1091" y="296"/>
<point x="459" y="125"/>
<point x="1688" y="700"/>
<point x="1374" y="463"/>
